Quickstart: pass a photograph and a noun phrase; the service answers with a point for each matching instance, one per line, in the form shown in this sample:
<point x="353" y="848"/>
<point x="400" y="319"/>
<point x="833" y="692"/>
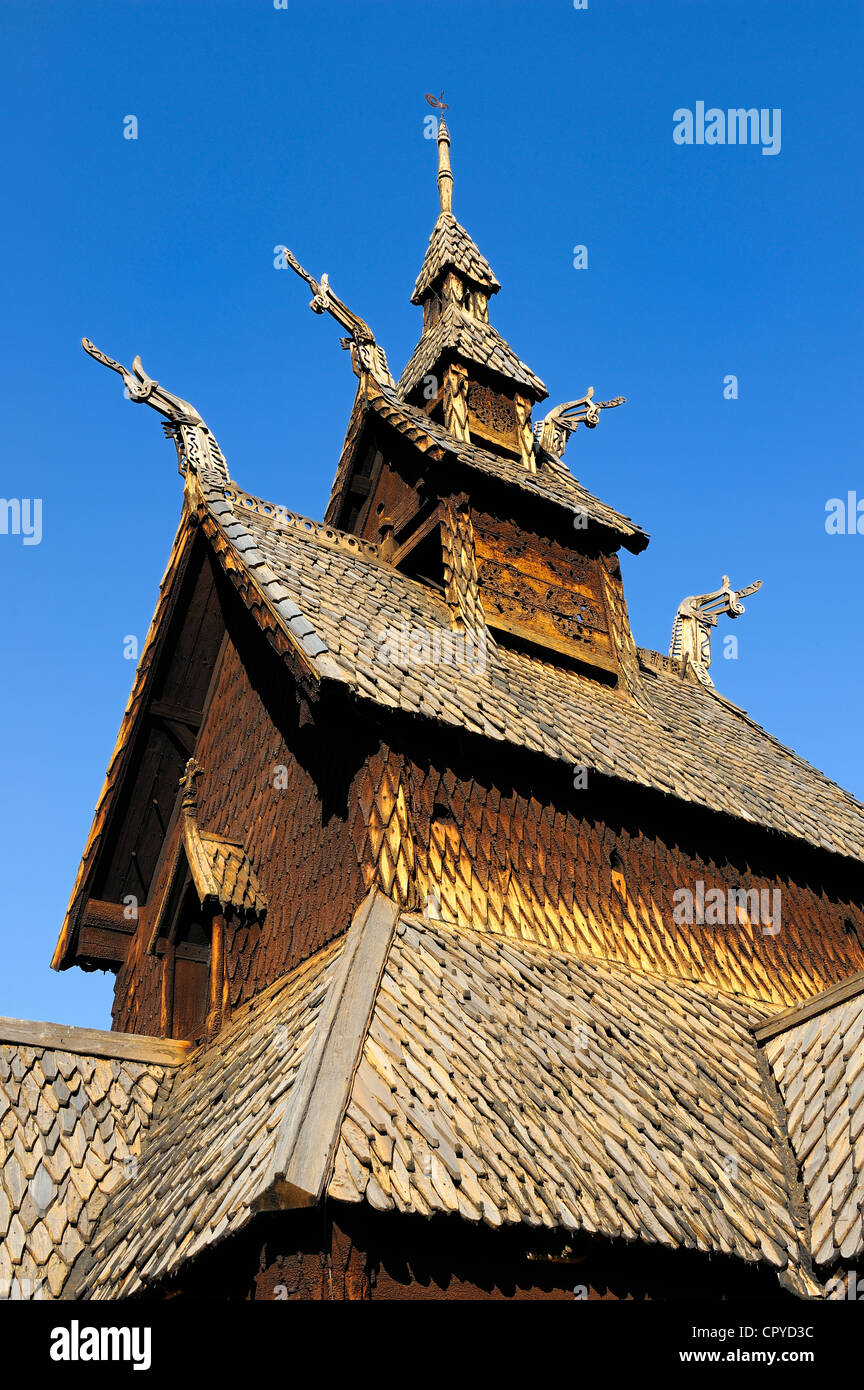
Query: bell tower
<point x="446" y="472"/>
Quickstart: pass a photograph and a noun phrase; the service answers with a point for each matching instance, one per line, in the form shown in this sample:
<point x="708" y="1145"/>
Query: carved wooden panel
<point x="492" y="416"/>
<point x="535" y="588"/>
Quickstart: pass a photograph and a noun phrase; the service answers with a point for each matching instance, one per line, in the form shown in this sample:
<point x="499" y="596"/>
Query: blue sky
<point x="304" y="126"/>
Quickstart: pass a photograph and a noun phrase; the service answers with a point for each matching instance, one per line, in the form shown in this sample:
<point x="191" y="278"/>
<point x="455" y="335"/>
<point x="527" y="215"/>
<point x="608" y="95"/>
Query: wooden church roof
<point x="337" y="600"/>
<point x="459" y="1075"/>
<point x="473" y="341"/>
<point x="450" y="246"/>
<point x="334" y="599"/>
<point x="551" y="482"/>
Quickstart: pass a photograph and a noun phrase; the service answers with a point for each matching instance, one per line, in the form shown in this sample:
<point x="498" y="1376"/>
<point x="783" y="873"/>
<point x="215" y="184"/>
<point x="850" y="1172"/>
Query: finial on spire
<point x="445" y="175"/>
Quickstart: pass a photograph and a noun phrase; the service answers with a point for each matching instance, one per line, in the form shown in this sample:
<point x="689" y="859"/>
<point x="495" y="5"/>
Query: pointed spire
<point x="445" y="175"/>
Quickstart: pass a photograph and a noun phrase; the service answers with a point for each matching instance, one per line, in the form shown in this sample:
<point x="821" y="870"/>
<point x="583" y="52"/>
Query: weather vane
<point x="438" y="102"/>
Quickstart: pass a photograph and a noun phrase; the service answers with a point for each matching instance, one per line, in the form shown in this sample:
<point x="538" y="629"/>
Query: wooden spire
<point x="445" y="174"/>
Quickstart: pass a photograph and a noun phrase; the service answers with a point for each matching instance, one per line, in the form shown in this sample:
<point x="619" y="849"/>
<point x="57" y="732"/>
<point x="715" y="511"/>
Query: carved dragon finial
<point x="196" y="447"/>
<point x="697" y="614"/>
<point x="366" y="355"/>
<point x="557" y="427"/>
<point x="190" y="790"/>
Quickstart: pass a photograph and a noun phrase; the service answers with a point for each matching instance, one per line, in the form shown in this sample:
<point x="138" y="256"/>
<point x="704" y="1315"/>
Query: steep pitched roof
<point x="510" y="1084"/>
<point x="451" y="247"/>
<point x="75" y="1106"/>
<point x="817" y="1056"/>
<point x="331" y="600"/>
<point x="222" y="872"/>
<point x="337" y="601"/>
<point x="210" y="1150"/>
<point x="461" y="335"/>
<point x="490" y="1079"/>
<point x="552" y="482"/>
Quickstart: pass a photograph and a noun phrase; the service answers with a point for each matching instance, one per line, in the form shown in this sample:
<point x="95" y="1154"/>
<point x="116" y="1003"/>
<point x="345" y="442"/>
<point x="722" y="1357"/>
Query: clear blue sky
<point x="304" y="126"/>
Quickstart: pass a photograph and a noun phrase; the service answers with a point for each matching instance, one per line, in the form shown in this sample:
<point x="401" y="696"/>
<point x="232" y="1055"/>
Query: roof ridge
<point x="279" y="514"/>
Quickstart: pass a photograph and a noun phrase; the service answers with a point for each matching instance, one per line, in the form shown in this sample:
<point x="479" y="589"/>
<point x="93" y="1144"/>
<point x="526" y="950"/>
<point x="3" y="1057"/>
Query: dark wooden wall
<point x="345" y="1253"/>
<point x="490" y="838"/>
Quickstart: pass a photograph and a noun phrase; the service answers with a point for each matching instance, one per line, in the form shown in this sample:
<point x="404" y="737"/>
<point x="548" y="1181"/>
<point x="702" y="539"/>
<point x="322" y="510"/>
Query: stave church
<point x="389" y="866"/>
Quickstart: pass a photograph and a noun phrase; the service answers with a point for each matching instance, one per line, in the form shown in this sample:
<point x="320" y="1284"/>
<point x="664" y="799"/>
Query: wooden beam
<point x="101" y="950"/>
<point x="581" y="653"/>
<point x="182" y="714"/>
<point x="417" y="535"/>
<point x="107" y="917"/>
<point x="306" y="1141"/>
<point x="93" y="1042"/>
<point x="819" y="1004"/>
<point x="104" y="935"/>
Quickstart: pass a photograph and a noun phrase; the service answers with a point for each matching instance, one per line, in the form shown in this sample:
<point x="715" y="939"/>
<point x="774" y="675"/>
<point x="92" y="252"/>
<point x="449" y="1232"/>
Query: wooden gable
<point x="535" y="589"/>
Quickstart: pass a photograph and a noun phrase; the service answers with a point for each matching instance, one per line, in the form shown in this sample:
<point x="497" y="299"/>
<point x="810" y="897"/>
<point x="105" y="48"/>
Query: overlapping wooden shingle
<point x="819" y="1067"/>
<point x="509" y="1084"/>
<point x="209" y="1153"/>
<point x="552" y="479"/>
<point x="494" y="1080"/>
<point x="452" y="248"/>
<point x="472" y="341"/>
<point x="677" y="738"/>
<point x="72" y="1126"/>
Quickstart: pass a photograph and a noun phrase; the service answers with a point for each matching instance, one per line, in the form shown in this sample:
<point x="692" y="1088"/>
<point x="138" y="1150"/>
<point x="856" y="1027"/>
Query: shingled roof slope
<point x="494" y="1079"/>
<point x="338" y="602"/>
<point x="451" y="247"/>
<point x="819" y="1067"/>
<point x="510" y="1084"/>
<point x="552" y="481"/>
<point x="473" y="341"/>
<point x="71" y="1128"/>
<point x="210" y="1149"/>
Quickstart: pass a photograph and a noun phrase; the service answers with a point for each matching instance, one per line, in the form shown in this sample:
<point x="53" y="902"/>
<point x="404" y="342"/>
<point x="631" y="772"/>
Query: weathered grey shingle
<point x="207" y="1160"/>
<point x="72" y="1127"/>
<point x="451" y="247"/>
<point x="819" y="1067"/>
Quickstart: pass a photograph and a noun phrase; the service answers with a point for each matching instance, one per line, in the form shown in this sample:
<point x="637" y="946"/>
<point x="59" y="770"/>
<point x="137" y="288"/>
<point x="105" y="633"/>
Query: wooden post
<point x="166" y="1004"/>
<point x="456" y="401"/>
<point x="217" y="975"/>
<point x="526" y="434"/>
